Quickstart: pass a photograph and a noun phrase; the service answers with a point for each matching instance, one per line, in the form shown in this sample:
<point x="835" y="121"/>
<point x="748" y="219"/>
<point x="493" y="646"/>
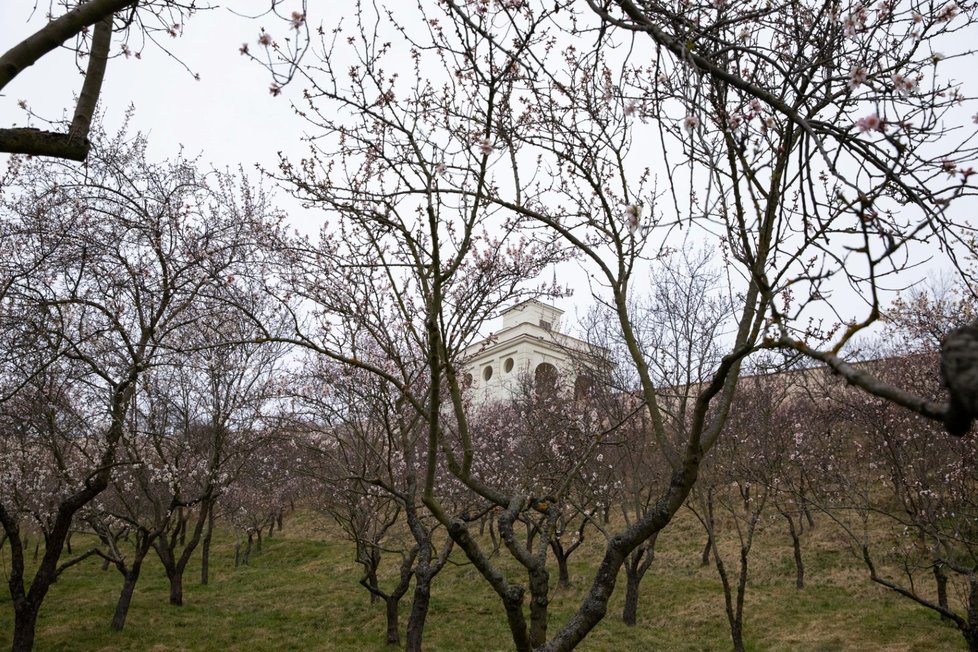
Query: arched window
<point x="583" y="386"/>
<point x="545" y="377"/>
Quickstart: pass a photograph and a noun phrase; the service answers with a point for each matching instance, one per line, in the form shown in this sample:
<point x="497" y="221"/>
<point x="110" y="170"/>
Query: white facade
<point x="529" y="348"/>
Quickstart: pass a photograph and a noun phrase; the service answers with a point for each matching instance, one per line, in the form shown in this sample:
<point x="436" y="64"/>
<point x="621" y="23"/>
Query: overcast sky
<point x="228" y="116"/>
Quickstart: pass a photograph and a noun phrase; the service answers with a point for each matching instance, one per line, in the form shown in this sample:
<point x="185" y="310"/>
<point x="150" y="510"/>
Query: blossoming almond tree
<point x="108" y="263"/>
<point x="625" y="128"/>
<point x="903" y="494"/>
<point x="363" y="456"/>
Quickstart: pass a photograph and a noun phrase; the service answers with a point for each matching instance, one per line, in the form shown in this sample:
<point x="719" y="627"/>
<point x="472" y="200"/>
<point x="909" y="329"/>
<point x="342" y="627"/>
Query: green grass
<point x="301" y="593"/>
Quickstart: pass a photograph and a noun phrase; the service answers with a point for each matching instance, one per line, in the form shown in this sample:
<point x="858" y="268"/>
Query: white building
<point x="529" y="348"/>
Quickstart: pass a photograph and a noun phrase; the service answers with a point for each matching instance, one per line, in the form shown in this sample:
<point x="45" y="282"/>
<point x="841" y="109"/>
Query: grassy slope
<point x="300" y="593"/>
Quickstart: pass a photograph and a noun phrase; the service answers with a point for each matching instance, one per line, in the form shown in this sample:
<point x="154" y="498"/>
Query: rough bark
<point x="73" y="145"/>
<point x="420" y="603"/>
<point x="51" y="36"/>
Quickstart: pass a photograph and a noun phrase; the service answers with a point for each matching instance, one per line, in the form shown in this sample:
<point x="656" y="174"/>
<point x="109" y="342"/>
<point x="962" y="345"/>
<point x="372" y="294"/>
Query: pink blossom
<point x="690" y="123"/>
<point x="633" y="216"/>
<point x="855" y="22"/>
<point x="974" y="118"/>
<point x="485" y="147"/>
<point x="857" y="76"/>
<point x="948" y="11"/>
<point x="264" y="39"/>
<point x="275" y="90"/>
<point x="949" y="166"/>
<point x="298" y="19"/>
<point x="631" y="108"/>
<point x="903" y="85"/>
<point x="870" y="122"/>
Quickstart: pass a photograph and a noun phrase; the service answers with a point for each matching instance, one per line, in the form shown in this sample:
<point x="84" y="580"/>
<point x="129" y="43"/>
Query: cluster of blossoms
<point x="870" y="122"/>
<point x="903" y="85"/>
<point x="857" y="77"/>
<point x="484" y="146"/>
<point x="633" y="216"/>
<point x="855" y="22"/>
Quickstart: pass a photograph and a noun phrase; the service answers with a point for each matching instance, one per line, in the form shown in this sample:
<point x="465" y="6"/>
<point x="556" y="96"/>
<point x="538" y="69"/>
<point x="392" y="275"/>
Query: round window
<point x="508" y="365"/>
<point x="487" y="373"/>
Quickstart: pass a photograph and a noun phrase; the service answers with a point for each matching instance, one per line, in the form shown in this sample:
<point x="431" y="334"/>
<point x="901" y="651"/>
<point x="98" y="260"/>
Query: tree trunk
<point x="492" y="536"/>
<point x="176" y="589"/>
<point x="419" y="612"/>
<point x="563" y="575"/>
<point x="173" y="573"/>
<point x="705" y="557"/>
<point x="971" y="638"/>
<point x="144" y="540"/>
<point x="246" y="557"/>
<point x="539" y="603"/>
<point x="393" y="633"/>
<point x="125" y="598"/>
<point x="796" y="546"/>
<point x="636" y="565"/>
<point x="737" y="634"/>
<point x="165" y="547"/>
<point x="941" y="577"/>
<point x="969" y="627"/>
<point x="182" y="527"/>
<point x="630" y="612"/>
<point x="25" y="624"/>
<point x="205" y="550"/>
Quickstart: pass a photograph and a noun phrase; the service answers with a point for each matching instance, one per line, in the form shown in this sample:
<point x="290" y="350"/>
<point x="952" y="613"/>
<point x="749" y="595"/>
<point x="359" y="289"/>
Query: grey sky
<point x="228" y="116"/>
